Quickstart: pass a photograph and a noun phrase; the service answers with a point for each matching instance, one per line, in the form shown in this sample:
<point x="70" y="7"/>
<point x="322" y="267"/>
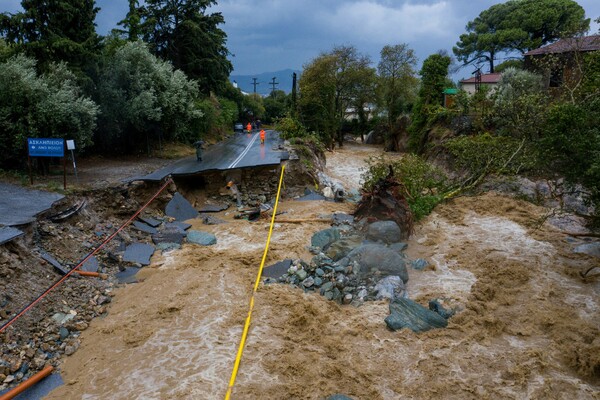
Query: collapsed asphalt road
<point x="239" y="151"/>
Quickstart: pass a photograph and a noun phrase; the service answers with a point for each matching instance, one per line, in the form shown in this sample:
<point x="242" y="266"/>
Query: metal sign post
<point x="71" y="146"/>
<point x="44" y="147"/>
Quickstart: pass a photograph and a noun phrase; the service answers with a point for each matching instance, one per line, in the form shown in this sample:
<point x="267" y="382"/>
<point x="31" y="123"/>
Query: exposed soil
<point x="527" y="326"/>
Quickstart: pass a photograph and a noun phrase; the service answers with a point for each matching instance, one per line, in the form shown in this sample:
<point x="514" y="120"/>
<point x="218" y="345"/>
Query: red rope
<point x="60" y="281"/>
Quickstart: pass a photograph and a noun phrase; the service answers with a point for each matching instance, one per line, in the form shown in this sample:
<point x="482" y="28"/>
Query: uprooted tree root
<point x="386" y="200"/>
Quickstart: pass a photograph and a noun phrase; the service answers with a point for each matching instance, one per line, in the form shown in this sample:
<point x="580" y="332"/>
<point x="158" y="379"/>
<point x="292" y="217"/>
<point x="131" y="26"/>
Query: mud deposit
<point x="527" y="327"/>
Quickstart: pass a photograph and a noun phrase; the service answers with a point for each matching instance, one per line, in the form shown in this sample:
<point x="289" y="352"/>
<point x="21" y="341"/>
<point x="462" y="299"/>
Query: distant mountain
<point x="283" y="79"/>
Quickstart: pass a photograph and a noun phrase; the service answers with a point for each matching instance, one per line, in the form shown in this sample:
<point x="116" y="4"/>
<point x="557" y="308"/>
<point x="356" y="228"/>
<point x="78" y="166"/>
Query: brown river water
<point x="527" y="326"/>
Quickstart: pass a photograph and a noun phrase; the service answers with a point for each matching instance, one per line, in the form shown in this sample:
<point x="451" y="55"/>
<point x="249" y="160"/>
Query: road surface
<point x="239" y="151"/>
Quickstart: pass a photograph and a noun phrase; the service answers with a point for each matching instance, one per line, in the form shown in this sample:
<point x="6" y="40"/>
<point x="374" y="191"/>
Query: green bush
<point x="426" y="185"/>
<point x="571" y="145"/>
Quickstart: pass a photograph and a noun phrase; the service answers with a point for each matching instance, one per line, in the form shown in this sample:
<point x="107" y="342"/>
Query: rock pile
<point x="354" y="263"/>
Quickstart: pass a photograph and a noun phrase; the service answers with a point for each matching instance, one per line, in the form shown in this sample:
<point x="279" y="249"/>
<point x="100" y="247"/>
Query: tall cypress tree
<point x="132" y="22"/>
<point x="181" y="32"/>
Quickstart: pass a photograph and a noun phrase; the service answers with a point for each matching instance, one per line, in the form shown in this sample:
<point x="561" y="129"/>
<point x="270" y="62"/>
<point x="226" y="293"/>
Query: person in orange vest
<point x="262" y="136"/>
<point x="249" y="127"/>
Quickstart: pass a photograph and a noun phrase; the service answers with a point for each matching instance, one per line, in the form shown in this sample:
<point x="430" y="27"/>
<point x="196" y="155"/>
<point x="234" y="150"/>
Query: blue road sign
<point x="46" y="147"/>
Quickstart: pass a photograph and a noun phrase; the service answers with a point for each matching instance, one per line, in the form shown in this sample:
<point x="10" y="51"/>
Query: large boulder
<point x="325" y="237"/>
<point x="406" y="313"/>
<point x="340" y="248"/>
<point x="384" y="231"/>
<point x="377" y="257"/>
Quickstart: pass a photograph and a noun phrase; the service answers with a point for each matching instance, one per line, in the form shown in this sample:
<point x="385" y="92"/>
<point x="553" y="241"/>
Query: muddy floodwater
<point x="527" y="325"/>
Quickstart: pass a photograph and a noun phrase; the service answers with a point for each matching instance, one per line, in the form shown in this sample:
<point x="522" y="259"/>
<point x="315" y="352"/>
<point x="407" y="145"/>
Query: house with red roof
<point x="471" y="85"/>
<point x="561" y="62"/>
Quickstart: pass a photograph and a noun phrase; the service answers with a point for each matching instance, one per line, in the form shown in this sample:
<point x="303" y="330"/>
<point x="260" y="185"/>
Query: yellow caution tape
<point x="240" y="351"/>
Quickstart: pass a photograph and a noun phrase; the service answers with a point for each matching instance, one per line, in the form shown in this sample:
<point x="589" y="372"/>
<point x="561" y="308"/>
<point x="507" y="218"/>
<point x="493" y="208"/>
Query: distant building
<point x="560" y="62"/>
<point x="470" y="85"/>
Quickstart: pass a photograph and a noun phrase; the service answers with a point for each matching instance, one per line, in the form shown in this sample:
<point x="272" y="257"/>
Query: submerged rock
<point x="436" y="306"/>
<point x="406" y="313"/>
<point x="390" y="287"/>
<point x="419" y="264"/>
<point x="201" y="238"/>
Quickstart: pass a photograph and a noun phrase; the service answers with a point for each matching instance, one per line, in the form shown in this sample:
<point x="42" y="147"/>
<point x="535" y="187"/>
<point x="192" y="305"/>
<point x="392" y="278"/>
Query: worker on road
<point x="262" y="136"/>
<point x="249" y="127"/>
<point x="198" y="146"/>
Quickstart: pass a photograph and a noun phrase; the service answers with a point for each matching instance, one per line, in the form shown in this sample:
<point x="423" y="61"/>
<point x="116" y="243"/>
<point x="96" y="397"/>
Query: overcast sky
<point x="271" y="35"/>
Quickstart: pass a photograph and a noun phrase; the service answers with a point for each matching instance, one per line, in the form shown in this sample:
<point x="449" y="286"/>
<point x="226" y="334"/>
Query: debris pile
<point x="386" y="200"/>
<point x="57" y="243"/>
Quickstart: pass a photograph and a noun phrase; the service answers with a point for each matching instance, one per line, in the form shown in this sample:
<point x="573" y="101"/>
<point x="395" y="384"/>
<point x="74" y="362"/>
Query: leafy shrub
<point x="484" y="154"/>
<point x="426" y="185"/>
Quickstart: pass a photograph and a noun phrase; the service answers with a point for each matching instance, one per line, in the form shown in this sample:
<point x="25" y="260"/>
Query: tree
<point x="143" y="99"/>
<point x="571" y="137"/>
<point x="276" y="106"/>
<point x="49" y="105"/>
<point x="330" y="85"/>
<point x="132" y="22"/>
<point x="517" y="64"/>
<point x="519" y="104"/>
<point x="317" y="97"/>
<point x="55" y="30"/>
<point x="433" y="81"/>
<point x="253" y="107"/>
<point x="364" y="94"/>
<point x="181" y="32"/>
<point x="518" y="25"/>
<point x="397" y="81"/>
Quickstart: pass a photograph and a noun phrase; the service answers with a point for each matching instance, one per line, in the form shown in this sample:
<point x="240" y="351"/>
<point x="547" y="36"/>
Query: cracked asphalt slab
<point x="239" y="151"/>
<point x="20" y="206"/>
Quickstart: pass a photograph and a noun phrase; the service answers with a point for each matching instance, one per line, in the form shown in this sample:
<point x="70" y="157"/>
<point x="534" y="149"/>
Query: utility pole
<point x="294" y="93"/>
<point x="255" y="83"/>
<point x="477" y="73"/>
<point x="273" y="84"/>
